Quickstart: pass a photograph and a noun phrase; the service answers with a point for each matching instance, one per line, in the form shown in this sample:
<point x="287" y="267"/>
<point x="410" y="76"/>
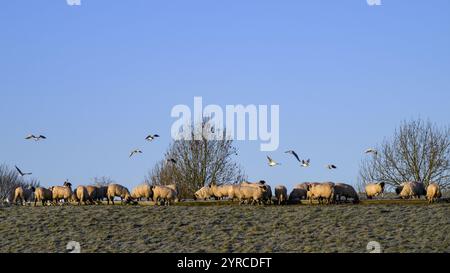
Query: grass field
<point x="398" y="226"/>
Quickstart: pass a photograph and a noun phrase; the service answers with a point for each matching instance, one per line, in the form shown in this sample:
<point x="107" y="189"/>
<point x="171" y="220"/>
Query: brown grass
<point x="399" y="226"/>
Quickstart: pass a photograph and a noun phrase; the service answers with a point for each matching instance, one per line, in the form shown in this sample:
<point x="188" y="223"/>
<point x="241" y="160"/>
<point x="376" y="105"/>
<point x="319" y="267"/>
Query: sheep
<point x="22" y="194"/>
<point x="433" y="193"/>
<point x="62" y="193"/>
<point x="323" y="192"/>
<point x="281" y="194"/>
<point x="250" y="193"/>
<point x="42" y="195"/>
<point x="374" y="189"/>
<point x="93" y="194"/>
<point x="101" y="193"/>
<point x="164" y="193"/>
<point x="410" y="190"/>
<point x="268" y="193"/>
<point x="116" y="190"/>
<point x="175" y="188"/>
<point x="300" y="192"/>
<point x="142" y="191"/>
<point x="347" y="191"/>
<point x="81" y="195"/>
<point x="222" y="192"/>
<point x="203" y="194"/>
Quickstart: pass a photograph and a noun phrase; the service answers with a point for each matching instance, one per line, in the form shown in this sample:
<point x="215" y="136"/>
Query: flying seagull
<point x="22" y="173"/>
<point x="35" y="138"/>
<point x="171" y="160"/>
<point x="331" y="167"/>
<point x="137" y="151"/>
<point x="272" y="163"/>
<point x="294" y="154"/>
<point x="306" y="163"/>
<point x="151" y="137"/>
<point x="372" y="151"/>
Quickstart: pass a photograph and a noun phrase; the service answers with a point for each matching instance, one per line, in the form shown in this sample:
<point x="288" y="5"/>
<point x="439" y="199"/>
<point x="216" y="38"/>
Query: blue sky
<point x="96" y="79"/>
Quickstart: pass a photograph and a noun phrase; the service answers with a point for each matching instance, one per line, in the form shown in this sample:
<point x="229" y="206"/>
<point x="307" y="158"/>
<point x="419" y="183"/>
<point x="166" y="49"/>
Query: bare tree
<point x="103" y="181"/>
<point x="192" y="164"/>
<point x="419" y="151"/>
<point x="10" y="180"/>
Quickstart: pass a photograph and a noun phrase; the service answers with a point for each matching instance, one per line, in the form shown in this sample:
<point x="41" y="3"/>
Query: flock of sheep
<point x="245" y="193"/>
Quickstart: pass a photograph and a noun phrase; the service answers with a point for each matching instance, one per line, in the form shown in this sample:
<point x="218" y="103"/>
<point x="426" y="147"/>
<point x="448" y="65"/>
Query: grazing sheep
<point x="42" y="195"/>
<point x="93" y="194"/>
<point x="164" y="193"/>
<point x="222" y="192"/>
<point x="374" y="189"/>
<point x="203" y="194"/>
<point x="21" y="194"/>
<point x="433" y="193"/>
<point x="281" y="194"/>
<point x="323" y="192"/>
<point x="142" y="191"/>
<point x="116" y="190"/>
<point x="268" y="193"/>
<point x="101" y="193"/>
<point x="62" y="193"/>
<point x="251" y="194"/>
<point x="176" y="189"/>
<point x="300" y="192"/>
<point x="411" y="190"/>
<point x="347" y="191"/>
<point x="81" y="195"/>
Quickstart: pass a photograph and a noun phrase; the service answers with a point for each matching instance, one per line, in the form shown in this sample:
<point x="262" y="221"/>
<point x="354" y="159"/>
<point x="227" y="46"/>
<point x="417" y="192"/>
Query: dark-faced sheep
<point x="411" y="190"/>
<point x="143" y="191"/>
<point x="374" y="189"/>
<point x="42" y="195"/>
<point x="281" y="195"/>
<point x="164" y="194"/>
<point x="433" y="193"/>
<point x="23" y="195"/>
<point x="251" y="194"/>
<point x="116" y="190"/>
<point x="324" y="192"/>
<point x="346" y="191"/>
<point x="62" y="193"/>
<point x="81" y="195"/>
<point x="267" y="198"/>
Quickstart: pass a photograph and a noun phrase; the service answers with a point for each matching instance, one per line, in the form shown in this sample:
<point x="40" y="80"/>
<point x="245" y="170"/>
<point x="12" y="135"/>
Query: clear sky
<point x="96" y="79"/>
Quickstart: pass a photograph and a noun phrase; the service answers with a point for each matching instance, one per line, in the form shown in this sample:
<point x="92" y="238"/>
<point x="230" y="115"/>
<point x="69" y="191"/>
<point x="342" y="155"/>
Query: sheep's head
<point x="398" y="190"/>
<point x="382" y="185"/>
<point x="262" y="182"/>
<point x="263" y="188"/>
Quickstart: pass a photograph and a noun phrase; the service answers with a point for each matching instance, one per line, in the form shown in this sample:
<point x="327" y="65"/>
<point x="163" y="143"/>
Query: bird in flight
<point x="306" y="163"/>
<point x="151" y="137"/>
<point x="137" y="151"/>
<point x="295" y="155"/>
<point x="331" y="167"/>
<point x="35" y="138"/>
<point x="22" y="174"/>
<point x="272" y="163"/>
<point x="372" y="151"/>
<point x="171" y="160"/>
